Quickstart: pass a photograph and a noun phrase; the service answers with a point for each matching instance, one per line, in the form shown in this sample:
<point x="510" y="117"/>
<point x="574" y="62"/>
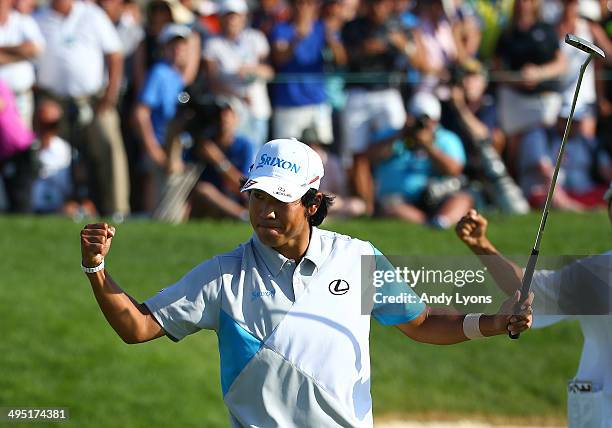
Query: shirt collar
<point x="275" y="261"/>
<point x="313" y="252"/>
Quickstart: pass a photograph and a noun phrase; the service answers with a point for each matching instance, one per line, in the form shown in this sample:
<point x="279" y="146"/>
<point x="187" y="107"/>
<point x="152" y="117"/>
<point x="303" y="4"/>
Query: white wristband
<point x="93" y="269"/>
<point x="471" y="326"/>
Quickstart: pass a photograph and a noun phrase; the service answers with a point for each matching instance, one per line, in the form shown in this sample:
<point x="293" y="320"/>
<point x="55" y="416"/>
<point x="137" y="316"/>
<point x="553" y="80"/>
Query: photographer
<point x="418" y="171"/>
<point x="473" y="117"/>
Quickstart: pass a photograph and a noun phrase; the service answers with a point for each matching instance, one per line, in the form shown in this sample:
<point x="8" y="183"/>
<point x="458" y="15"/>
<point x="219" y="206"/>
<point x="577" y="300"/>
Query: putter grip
<point x="527" y="276"/>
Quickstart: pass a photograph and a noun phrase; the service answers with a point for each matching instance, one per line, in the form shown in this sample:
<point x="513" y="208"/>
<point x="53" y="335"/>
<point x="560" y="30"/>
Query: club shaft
<point x="533" y="258"/>
<point x="553" y="183"/>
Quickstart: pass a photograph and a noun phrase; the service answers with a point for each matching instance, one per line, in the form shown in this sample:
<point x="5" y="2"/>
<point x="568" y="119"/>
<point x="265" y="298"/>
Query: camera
<point x="456" y="73"/>
<point x="411" y="129"/>
<point x="199" y="112"/>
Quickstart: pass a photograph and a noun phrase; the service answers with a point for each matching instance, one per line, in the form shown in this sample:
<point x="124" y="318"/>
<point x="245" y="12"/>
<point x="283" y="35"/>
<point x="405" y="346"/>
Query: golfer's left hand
<point x="507" y="321"/>
<point x="96" y="241"/>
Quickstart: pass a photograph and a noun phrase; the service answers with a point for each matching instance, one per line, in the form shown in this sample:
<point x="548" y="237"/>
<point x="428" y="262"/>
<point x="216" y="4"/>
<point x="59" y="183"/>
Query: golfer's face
<point x="276" y="222"/>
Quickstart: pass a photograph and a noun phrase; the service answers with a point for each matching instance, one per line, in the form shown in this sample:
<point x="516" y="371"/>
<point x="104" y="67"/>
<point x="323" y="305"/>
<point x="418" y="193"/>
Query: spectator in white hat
<point x="418" y="172"/>
<point x="236" y="64"/>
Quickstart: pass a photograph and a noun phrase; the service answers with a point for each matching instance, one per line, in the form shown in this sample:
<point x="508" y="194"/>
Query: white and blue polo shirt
<point x="293" y="340"/>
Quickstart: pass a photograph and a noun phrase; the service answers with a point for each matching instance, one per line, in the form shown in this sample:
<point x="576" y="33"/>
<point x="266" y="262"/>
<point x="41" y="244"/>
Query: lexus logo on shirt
<point x="338" y="287"/>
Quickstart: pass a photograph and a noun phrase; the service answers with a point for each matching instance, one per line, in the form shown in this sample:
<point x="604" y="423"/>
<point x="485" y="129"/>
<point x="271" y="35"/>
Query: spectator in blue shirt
<point x="576" y="190"/>
<point x="298" y="52"/>
<point x="228" y="158"/>
<point x="419" y="168"/>
<point x="157" y="107"/>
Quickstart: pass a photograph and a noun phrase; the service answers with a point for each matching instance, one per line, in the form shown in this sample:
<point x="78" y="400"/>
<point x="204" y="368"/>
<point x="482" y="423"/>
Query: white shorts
<point x="519" y="112"/>
<point x="291" y="122"/>
<point x="367" y="112"/>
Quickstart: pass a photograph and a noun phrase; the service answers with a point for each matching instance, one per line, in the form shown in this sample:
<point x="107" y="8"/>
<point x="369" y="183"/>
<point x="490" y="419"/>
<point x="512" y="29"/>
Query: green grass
<point x="57" y="350"/>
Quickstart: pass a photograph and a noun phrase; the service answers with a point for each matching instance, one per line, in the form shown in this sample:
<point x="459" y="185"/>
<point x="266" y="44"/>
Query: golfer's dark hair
<point x="310" y="198"/>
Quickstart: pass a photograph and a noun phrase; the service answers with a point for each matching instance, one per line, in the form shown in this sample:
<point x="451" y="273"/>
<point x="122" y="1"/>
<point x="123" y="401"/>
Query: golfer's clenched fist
<point x="472" y="229"/>
<point x="95" y="243"/>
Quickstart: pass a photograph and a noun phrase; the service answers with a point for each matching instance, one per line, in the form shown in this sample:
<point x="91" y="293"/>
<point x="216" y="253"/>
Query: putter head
<point x="583" y="45"/>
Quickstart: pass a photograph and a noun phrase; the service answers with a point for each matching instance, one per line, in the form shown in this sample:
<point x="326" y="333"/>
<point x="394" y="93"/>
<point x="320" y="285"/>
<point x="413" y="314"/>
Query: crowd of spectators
<point x="420" y="109"/>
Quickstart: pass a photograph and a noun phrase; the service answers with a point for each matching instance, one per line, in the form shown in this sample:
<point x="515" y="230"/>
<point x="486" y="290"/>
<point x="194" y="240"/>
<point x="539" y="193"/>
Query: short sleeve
<point x="213" y="49"/>
<point x="262" y="47"/>
<point x="394" y="302"/>
<point x="545" y="287"/>
<point x="580" y="288"/>
<point x="450" y="144"/>
<point x="107" y="34"/>
<point x="31" y="31"/>
<point x="281" y="32"/>
<point x="151" y="91"/>
<point x="191" y="304"/>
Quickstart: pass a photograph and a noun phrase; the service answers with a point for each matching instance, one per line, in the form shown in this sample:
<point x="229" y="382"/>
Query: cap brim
<point x="278" y="189"/>
<point x="236" y="10"/>
<point x="173" y="37"/>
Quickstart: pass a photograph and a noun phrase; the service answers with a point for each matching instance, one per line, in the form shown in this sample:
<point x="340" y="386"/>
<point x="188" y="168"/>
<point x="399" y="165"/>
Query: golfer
<point x="286" y="305"/>
<point x="586" y="282"/>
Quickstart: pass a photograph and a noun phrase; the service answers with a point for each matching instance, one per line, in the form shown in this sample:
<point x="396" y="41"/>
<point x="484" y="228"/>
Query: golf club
<point x="592" y="50"/>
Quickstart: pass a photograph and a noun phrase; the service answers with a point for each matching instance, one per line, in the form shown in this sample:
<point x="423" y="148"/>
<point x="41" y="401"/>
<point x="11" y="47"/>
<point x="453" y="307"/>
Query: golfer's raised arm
<point x="132" y="321"/>
<point x="472" y="230"/>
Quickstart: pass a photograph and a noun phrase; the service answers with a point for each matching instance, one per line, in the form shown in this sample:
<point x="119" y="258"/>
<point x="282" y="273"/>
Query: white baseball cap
<point x="425" y="104"/>
<point x="285" y="169"/>
<point x="590" y="9"/>
<point x="173" y="31"/>
<point x="232" y="6"/>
